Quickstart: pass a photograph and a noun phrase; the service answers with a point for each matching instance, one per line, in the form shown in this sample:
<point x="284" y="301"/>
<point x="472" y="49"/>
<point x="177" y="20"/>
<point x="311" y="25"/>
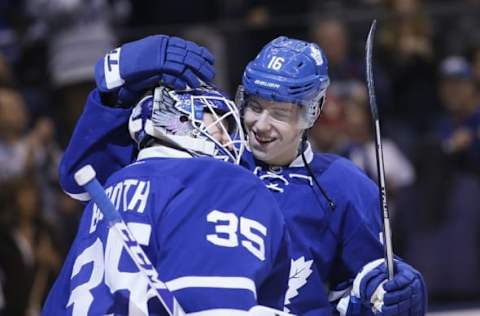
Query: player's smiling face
<point x="273" y="130"/>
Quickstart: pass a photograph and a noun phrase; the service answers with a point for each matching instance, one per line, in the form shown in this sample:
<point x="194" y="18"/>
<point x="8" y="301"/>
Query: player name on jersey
<point x="128" y="195"/>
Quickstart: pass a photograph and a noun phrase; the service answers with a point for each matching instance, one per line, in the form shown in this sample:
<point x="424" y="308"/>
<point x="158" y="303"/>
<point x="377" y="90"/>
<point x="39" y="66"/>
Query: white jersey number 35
<point x="251" y="236"/>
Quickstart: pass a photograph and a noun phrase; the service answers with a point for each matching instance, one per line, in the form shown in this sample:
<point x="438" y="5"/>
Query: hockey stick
<point x="85" y="177"/>
<point x="387" y="233"/>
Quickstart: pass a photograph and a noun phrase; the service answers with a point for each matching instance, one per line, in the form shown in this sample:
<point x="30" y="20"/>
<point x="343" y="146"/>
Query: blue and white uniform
<point x="213" y="232"/>
<point x="335" y="234"/>
<point x="319" y="232"/>
<point x="330" y="244"/>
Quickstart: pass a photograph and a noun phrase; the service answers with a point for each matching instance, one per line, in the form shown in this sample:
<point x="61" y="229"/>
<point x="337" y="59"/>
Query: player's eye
<point x="281" y="115"/>
<point x="255" y="107"/>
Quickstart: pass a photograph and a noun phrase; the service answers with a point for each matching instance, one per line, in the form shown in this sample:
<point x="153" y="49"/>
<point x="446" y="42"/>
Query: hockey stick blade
<point x="85" y="177"/>
<point x="387" y="233"/>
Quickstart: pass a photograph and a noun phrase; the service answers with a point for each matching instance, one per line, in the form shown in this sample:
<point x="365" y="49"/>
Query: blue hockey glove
<point x="126" y="72"/>
<point x="404" y="295"/>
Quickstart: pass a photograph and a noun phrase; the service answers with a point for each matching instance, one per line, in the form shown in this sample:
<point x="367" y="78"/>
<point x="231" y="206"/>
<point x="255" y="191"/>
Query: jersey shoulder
<point x="336" y="168"/>
<point x="346" y="183"/>
<point x="322" y="161"/>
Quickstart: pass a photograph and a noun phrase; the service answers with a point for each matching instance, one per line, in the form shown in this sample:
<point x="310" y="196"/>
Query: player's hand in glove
<point x="372" y="291"/>
<point x="126" y="72"/>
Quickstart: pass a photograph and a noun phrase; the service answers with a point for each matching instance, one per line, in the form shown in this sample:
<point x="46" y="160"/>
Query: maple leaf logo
<point x="300" y="270"/>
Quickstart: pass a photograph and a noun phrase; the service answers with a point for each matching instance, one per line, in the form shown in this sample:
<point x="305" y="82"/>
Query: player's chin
<point x="263" y="151"/>
<point x="260" y="154"/>
<point x="260" y="147"/>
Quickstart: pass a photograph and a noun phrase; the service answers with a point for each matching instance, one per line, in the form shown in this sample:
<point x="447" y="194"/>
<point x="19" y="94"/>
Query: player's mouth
<point x="262" y="139"/>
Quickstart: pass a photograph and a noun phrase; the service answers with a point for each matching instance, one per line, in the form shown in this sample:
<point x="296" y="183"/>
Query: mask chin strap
<point x="303" y="146"/>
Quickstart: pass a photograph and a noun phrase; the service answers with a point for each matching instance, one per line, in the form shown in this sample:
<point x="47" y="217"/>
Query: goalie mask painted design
<point x="178" y="119"/>
<point x="288" y="70"/>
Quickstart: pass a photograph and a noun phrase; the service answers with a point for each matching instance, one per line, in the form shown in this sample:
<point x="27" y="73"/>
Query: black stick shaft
<point x="387" y="233"/>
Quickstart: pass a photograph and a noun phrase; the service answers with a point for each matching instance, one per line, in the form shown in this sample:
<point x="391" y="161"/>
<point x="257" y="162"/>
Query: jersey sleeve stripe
<point x="220" y="312"/>
<point x="111" y="66"/>
<point x="336" y="295"/>
<point x="84" y="197"/>
<point x="212" y="282"/>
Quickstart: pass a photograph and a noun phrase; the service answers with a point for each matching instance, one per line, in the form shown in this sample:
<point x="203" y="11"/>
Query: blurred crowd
<point x="427" y="77"/>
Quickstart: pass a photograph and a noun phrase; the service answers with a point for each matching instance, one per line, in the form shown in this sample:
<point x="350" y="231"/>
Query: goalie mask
<point x="288" y="70"/>
<point x="189" y="120"/>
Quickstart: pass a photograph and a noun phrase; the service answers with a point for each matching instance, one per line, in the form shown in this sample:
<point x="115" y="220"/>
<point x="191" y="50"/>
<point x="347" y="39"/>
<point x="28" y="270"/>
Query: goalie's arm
<point x="122" y="76"/>
<point x="100" y="139"/>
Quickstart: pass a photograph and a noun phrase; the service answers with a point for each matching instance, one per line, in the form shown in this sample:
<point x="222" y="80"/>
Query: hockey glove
<point x="404" y="295"/>
<point x="126" y="72"/>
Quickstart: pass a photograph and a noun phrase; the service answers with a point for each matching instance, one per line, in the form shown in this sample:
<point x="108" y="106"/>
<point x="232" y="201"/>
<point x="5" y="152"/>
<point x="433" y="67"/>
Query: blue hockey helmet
<point x="177" y="118"/>
<point x="288" y="70"/>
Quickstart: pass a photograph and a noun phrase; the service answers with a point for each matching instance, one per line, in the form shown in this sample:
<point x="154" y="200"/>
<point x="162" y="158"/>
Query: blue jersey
<point x="211" y="229"/>
<point x="333" y="235"/>
<point x="329" y="245"/>
<point x="100" y="137"/>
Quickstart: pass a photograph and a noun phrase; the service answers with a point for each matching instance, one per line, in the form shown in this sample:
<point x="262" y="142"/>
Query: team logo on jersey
<point x="300" y="270"/>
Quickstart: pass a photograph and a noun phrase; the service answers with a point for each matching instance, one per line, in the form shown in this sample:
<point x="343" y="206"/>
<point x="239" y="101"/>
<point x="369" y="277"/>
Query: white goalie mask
<point x="179" y="119"/>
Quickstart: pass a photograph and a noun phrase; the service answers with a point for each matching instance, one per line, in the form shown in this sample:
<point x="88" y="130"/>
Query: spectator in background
<point x="9" y="40"/>
<point x="457" y="32"/>
<point x="328" y="132"/>
<point x="399" y="171"/>
<point x="458" y="129"/>
<point x="28" y="257"/>
<point x="405" y="39"/>
<point x="5" y="71"/>
<point x="439" y="225"/>
<point x="77" y="32"/>
<point x="344" y="64"/>
<point x="21" y="150"/>
<point x="26" y="150"/>
<point x="332" y="34"/>
<point x="360" y="145"/>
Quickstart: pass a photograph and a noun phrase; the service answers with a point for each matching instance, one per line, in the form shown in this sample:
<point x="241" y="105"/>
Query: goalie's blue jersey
<point x="329" y="245"/>
<point x="211" y="229"/>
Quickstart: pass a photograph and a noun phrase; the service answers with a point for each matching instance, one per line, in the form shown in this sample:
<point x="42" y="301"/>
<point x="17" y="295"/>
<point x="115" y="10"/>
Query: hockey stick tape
<point x="84" y="175"/>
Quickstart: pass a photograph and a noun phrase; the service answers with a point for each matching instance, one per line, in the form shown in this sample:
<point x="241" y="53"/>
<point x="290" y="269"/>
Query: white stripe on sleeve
<point x="85" y="196"/>
<point x="213" y="282"/>
<point x="111" y="66"/>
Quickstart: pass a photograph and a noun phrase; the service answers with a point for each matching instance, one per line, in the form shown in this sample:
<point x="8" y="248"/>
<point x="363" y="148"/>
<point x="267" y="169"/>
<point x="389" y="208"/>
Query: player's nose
<point x="220" y="135"/>
<point x="262" y="122"/>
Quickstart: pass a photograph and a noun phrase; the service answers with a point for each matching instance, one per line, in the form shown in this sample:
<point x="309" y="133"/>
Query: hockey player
<point x="336" y="228"/>
<point x="211" y="229"/>
<point x="331" y="207"/>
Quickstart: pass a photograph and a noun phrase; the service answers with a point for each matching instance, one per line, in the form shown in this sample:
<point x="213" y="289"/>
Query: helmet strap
<point x="303" y="147"/>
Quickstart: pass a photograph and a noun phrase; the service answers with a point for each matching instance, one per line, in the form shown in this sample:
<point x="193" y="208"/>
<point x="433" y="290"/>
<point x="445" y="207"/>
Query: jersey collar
<point x="298" y="162"/>
<point x="160" y="151"/>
